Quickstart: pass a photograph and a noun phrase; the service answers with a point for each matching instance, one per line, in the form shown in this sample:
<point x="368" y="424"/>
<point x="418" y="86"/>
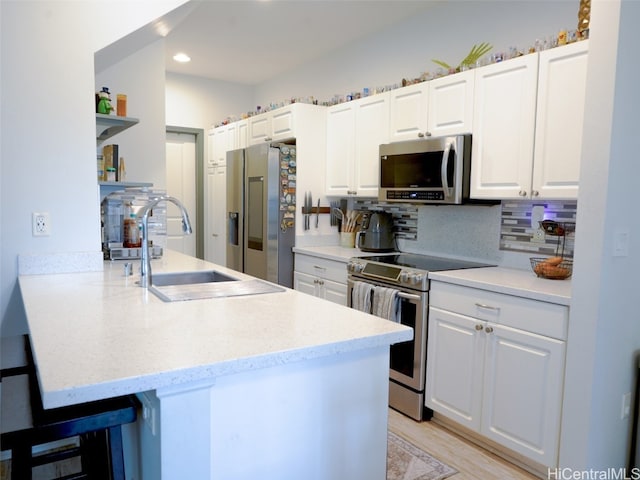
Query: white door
<point x="181" y="184"/>
<point x="372" y="130"/>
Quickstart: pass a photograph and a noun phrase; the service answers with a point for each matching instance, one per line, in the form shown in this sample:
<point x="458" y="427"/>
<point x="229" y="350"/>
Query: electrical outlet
<point x="40" y="224"/>
<point x="538" y="236"/>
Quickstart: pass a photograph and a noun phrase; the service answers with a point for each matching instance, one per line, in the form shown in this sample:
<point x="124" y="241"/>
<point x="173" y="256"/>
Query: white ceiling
<point x="251" y="41"/>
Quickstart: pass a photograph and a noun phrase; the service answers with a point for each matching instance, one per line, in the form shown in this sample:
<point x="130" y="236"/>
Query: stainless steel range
<point x="407" y="275"/>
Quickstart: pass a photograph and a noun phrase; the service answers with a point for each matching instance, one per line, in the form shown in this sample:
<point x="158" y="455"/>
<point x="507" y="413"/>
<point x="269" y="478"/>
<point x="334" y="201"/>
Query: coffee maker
<point x="120" y="208"/>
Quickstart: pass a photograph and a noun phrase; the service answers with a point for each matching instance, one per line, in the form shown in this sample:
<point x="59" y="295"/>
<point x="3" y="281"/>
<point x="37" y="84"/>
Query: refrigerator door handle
<point x="233" y="228"/>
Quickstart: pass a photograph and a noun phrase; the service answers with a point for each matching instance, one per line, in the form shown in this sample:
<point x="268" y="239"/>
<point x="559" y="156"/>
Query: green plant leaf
<point x="442" y="64"/>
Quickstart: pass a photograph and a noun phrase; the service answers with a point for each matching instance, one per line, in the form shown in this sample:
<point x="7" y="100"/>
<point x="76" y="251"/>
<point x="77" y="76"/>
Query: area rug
<point x="405" y="461"/>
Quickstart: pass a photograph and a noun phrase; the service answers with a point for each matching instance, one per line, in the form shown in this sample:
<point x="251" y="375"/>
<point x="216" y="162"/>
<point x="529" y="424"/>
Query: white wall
<point x="141" y="77"/>
<point x="604" y="329"/>
<point x="446" y="32"/>
<point x="48" y="149"/>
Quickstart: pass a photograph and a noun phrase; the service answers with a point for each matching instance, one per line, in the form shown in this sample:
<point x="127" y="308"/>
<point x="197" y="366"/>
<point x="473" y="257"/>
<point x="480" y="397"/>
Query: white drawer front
<point x="327" y="269"/>
<point x="533" y="316"/>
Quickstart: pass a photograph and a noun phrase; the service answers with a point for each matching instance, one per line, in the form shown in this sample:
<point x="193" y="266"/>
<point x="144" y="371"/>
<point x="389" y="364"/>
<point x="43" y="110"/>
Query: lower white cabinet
<point x="321" y="278"/>
<point x="495" y="365"/>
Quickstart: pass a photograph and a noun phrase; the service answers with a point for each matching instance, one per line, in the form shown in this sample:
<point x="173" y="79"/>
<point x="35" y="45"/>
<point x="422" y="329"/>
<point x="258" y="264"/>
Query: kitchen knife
<point x="318" y="213"/>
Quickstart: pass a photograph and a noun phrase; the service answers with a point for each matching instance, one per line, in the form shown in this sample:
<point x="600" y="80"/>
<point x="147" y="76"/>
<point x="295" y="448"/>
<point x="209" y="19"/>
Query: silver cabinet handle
<point x="420" y="135"/>
<point x="522" y="193"/>
<point x="535" y="193"/>
<point x="479" y="327"/>
<point x="488" y="329"/>
<point x="488" y="307"/>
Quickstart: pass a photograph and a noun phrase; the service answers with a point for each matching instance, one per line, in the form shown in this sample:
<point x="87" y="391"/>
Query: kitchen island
<point x="278" y="385"/>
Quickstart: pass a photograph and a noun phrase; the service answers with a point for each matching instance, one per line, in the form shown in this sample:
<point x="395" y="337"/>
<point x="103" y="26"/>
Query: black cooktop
<point x="424" y="262"/>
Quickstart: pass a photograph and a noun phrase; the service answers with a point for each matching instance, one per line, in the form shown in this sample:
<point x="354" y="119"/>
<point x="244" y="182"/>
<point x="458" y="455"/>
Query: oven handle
<point x="409" y="296"/>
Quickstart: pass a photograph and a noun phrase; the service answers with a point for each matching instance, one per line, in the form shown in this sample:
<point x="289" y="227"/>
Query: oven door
<point x="407" y="359"/>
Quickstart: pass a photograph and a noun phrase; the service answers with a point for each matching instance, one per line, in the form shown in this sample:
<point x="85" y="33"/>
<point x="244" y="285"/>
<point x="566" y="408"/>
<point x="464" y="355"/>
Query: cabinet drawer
<point x="320" y="267"/>
<point x="533" y="316"/>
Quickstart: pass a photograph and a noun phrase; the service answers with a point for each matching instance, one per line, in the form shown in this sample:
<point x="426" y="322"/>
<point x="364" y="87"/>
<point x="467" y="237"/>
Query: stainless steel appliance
<point x="261" y="182"/>
<point x="431" y="170"/>
<point x="408" y="275"/>
<point x="376" y="233"/>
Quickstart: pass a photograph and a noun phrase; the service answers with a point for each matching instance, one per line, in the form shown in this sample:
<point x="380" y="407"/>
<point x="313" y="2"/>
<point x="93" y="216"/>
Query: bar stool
<point x="25" y="424"/>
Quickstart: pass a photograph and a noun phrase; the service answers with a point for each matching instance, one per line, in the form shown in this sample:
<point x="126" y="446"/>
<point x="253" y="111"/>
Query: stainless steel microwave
<point x="431" y="170"/>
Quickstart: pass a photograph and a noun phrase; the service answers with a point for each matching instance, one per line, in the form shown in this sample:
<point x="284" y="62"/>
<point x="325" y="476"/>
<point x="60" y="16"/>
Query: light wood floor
<point x="471" y="461"/>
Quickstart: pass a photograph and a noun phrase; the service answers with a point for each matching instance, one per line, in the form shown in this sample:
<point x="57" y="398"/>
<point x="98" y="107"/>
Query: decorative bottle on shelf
<point x="131" y="230"/>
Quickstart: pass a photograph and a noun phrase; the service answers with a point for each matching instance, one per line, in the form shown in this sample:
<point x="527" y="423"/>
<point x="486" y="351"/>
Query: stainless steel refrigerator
<point x="261" y="203"/>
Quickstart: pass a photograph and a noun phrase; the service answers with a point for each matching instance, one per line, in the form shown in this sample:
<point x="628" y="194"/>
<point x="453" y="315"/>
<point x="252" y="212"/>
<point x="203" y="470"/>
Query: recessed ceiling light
<point x="182" y="57"/>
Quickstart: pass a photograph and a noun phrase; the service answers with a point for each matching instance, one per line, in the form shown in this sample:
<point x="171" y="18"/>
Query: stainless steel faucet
<point x="145" y="264"/>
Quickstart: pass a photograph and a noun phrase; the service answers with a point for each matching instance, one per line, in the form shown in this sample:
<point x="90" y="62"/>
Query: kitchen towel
<point x="361" y="296"/>
<point x="386" y="303"/>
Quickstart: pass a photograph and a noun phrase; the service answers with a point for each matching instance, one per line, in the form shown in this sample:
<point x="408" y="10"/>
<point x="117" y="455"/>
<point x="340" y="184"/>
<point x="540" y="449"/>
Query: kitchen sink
<point x="200" y="285"/>
<point x="190" y="278"/>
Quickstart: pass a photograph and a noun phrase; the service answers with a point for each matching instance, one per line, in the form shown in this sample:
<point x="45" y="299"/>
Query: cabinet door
<point x="340" y="149"/>
<point x="372" y="129"/>
<point x="334" y="292"/>
<point x="282" y="122"/>
<point x="243" y="133"/>
<point x="523" y="392"/>
<point x="503" y="128"/>
<point x="259" y="129"/>
<point x="408" y="112"/>
<point x="305" y="283"/>
<point x="559" y="120"/>
<point x="451" y="104"/>
<point x="455" y="354"/>
<point x="215" y="240"/>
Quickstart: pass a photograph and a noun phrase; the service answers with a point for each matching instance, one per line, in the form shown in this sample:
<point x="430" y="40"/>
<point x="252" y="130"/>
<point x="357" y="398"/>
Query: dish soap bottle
<point x="131" y="231"/>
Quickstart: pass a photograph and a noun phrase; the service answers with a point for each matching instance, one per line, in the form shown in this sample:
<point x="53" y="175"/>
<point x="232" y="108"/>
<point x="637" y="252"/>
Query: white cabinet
<point x="528" y="118"/>
<point x="495" y="364"/>
<point x="221" y="140"/>
<point x="451" y="104"/>
<point x="408" y="112"/>
<point x="439" y="107"/>
<point x="321" y="278"/>
<point x="559" y="121"/>
<point x="272" y="126"/>
<point x="355" y="131"/>
<point x="503" y="126"/>
<point x="215" y="226"/>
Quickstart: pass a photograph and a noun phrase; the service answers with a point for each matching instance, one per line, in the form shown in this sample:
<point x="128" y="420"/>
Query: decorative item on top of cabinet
<point x="507" y="379"/>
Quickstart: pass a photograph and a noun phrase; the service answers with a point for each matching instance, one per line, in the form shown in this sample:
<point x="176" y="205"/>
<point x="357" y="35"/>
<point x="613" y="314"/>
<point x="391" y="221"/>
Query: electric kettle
<point x="376" y="233"/>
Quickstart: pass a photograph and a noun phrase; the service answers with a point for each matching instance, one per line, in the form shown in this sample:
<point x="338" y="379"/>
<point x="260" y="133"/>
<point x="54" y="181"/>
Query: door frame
<point x="199" y="216"/>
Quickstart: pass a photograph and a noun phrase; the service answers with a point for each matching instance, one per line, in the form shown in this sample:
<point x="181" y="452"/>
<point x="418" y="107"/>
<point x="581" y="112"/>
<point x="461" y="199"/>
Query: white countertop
<point x="522" y="283"/>
<point x="98" y="334"/>
<point x="335" y="252"/>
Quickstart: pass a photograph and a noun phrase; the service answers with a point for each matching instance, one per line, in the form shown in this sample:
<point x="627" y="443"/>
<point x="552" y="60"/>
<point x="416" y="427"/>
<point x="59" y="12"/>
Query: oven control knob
<point x="404" y="277"/>
<point x="355" y="267"/>
<point x="416" y="278"/>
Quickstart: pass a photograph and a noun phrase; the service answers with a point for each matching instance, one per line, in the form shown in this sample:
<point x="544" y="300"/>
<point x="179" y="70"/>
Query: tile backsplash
<point x="518" y="234"/>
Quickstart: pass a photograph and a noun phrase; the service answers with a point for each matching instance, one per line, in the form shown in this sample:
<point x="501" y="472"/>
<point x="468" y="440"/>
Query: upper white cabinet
<point x="440" y="107"/>
<point x="408" y="109"/>
<point x="451" y="104"/>
<point x="221" y="140"/>
<point x="528" y="118"/>
<point x="355" y="131"/>
<point x="503" y="127"/>
<point x="559" y="121"/>
<point x="280" y="124"/>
